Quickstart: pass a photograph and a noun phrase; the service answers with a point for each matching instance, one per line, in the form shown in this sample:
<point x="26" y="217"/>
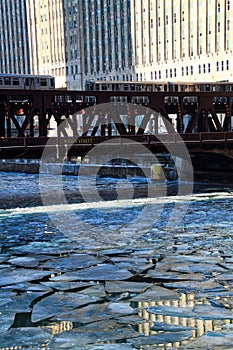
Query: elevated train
<point x="221" y="86"/>
<point x="27" y="82"/>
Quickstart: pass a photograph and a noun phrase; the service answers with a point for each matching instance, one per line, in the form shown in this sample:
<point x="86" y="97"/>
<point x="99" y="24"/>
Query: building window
<point x="191" y="70"/>
<point x="219" y="7"/>
<point x="227" y="64"/>
<point x="175" y="72"/>
<point x="159" y="74"/>
<point x="218" y="27"/>
<point x="222" y="65"/>
<point x="199" y="69"/>
<point x="170" y="73"/>
<point x="166" y="73"/>
<point x="187" y="70"/>
<point x="228" y="24"/>
<point x="182" y="71"/>
<point x="204" y="68"/>
<point x="228" y="5"/>
<point x="155" y="75"/>
<point x="208" y="67"/>
<point x="174" y="18"/>
<point x="159" y="21"/>
<point x="166" y="19"/>
<point x="217" y="66"/>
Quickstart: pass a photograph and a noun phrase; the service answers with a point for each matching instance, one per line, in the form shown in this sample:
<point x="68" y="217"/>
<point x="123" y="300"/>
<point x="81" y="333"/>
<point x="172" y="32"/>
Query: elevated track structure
<point x="203" y="120"/>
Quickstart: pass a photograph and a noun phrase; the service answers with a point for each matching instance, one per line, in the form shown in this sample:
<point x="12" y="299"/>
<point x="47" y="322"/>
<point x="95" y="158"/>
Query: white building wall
<point x="189" y="40"/>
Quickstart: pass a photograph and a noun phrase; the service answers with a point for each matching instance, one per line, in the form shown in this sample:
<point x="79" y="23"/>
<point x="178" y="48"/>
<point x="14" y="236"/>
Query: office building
<point x="185" y="40"/>
<point x="98" y="40"/>
<point x="46" y="39"/>
<point x="82" y="40"/>
<point x="14" y="43"/>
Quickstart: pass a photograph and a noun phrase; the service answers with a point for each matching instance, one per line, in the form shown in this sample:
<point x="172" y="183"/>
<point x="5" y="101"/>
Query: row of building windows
<point x="188" y="70"/>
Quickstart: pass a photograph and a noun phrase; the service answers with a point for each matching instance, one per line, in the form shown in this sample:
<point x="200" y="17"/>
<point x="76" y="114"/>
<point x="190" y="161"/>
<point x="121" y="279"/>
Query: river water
<point x="116" y="268"/>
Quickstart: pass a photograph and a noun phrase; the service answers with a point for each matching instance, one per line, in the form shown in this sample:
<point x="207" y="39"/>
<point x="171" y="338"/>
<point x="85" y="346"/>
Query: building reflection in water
<point x="148" y="319"/>
<point x="201" y="326"/>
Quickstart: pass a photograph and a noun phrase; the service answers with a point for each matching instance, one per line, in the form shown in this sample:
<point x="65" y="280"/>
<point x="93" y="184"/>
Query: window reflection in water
<point x="187" y="301"/>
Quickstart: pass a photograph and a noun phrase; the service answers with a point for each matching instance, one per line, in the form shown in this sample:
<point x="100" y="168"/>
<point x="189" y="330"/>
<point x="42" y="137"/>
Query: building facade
<point x="98" y="41"/>
<point x="46" y="39"/>
<point x="82" y="40"/>
<point x="14" y="43"/>
<point x="185" y="40"/>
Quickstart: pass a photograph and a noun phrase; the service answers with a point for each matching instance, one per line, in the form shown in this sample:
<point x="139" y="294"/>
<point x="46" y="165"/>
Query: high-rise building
<point x="14" y="43"/>
<point x="186" y="40"/>
<point x="46" y="38"/>
<point x="98" y="40"/>
<point x="81" y="40"/>
<point x="73" y="38"/>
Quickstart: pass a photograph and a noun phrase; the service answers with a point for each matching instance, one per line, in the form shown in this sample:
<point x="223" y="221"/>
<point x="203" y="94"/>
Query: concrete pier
<point x="35" y="166"/>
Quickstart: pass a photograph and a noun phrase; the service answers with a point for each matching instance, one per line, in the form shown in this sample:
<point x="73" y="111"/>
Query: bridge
<point x="77" y="121"/>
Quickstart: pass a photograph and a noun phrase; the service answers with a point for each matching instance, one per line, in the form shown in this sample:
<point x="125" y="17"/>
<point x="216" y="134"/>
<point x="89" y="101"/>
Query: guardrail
<point x="90" y="141"/>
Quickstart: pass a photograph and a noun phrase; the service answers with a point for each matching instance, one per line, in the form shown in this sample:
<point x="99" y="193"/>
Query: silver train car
<point x="27" y="82"/>
<point x="222" y="86"/>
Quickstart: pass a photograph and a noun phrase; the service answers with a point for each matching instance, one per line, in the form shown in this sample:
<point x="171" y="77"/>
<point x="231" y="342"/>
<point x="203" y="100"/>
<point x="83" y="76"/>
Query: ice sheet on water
<point x="204" y="312"/>
<point x="96" y="333"/>
<point x="168" y="327"/>
<point x="72" y="262"/>
<point x="25" y="337"/>
<point x="12" y="276"/>
<point x="103" y="272"/>
<point x="157" y="293"/>
<point x="65" y="286"/>
<point x="161" y="338"/>
<point x="120" y="287"/>
<point x="212" y="340"/>
<point x="98" y="312"/>
<point x="59" y="303"/>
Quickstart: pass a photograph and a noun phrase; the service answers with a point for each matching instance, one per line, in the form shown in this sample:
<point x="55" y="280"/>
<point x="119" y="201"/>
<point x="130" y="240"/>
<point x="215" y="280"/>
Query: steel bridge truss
<point x="29" y="118"/>
<point x="29" y="113"/>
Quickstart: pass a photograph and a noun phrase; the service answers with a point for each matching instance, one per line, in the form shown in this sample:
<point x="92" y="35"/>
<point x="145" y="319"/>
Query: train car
<point x="222" y="86"/>
<point x="27" y="82"/>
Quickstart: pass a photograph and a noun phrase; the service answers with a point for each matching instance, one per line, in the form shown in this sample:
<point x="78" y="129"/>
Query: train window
<point x="126" y="87"/>
<point x="43" y="82"/>
<point x="15" y="82"/>
<point x="183" y="87"/>
<point x="132" y="87"/>
<point x="52" y="83"/>
<point x="159" y="87"/>
<point x="104" y="87"/>
<point x="139" y="87"/>
<point x="7" y="81"/>
<point x="0" y="81"/>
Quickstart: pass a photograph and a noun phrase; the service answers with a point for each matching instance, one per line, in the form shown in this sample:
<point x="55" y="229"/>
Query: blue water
<point x="24" y="216"/>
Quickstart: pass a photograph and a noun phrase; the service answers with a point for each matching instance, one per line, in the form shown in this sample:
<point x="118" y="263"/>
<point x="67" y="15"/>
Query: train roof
<point x="9" y="75"/>
<point x="160" y="82"/>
